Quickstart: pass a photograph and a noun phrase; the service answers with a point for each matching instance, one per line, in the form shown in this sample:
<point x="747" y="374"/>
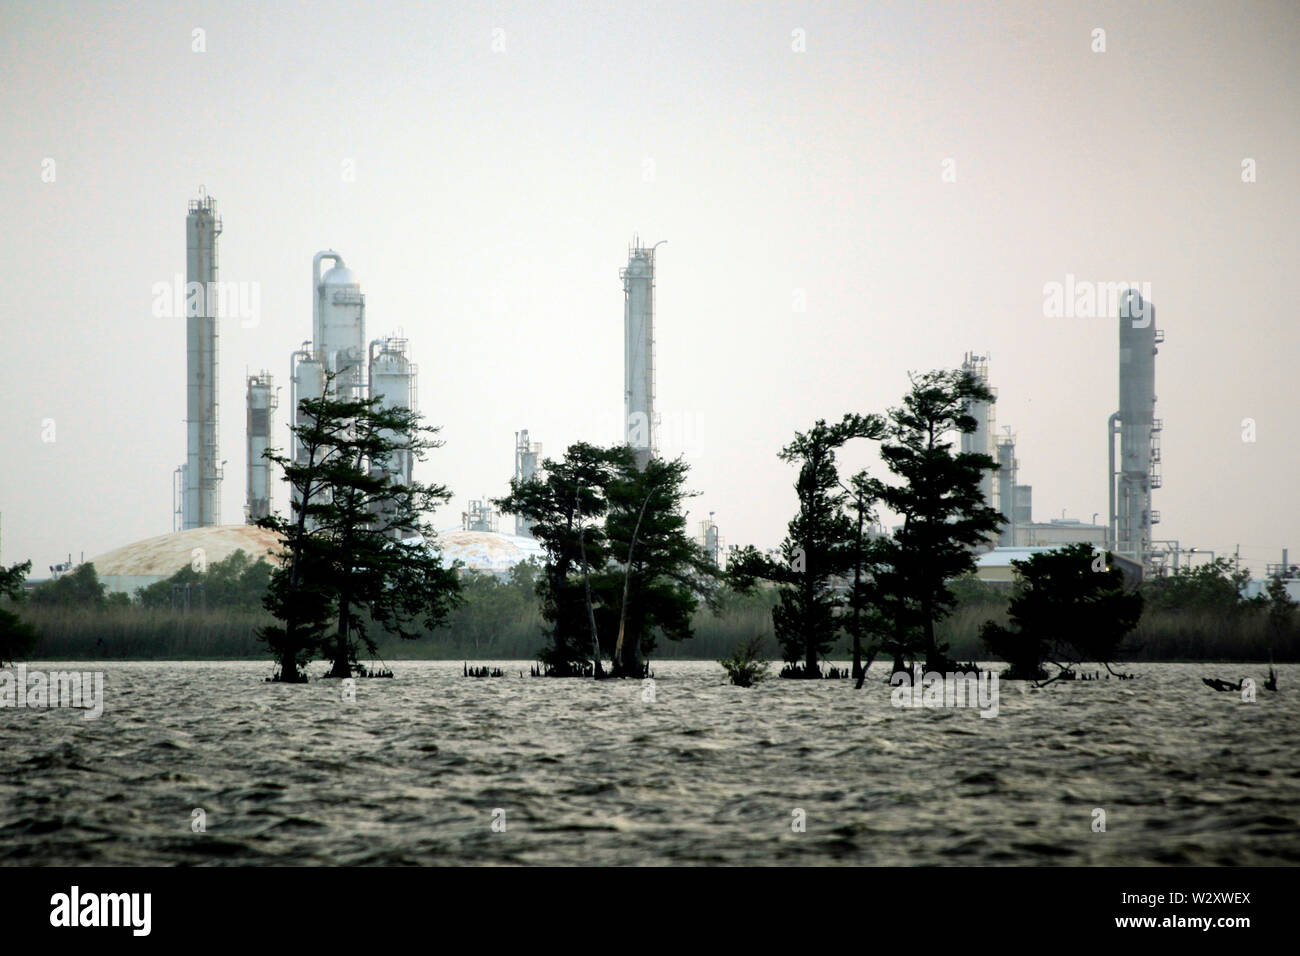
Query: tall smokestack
<point x="201" y="498"/>
<point x="638" y="351"/>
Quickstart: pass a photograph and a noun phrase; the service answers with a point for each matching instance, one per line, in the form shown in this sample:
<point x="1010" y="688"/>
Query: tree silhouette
<point x="17" y="637"/>
<point x="821" y="547"/>
<point x="939" y="499"/>
<point x="1068" y="607"/>
<point x="359" y="543"/>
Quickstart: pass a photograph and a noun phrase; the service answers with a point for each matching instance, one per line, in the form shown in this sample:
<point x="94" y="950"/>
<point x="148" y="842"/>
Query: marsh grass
<point x="479" y="633"/>
<point x="136" y="633"/>
<point x="1243" y="634"/>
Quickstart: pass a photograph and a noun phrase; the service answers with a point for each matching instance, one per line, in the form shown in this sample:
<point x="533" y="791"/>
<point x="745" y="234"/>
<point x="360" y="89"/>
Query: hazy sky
<point x="496" y="192"/>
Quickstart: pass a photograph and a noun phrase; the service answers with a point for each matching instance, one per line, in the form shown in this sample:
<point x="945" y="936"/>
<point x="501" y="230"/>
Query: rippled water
<point x="588" y="772"/>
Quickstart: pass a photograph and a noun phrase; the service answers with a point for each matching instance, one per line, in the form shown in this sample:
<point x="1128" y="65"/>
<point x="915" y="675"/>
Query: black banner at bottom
<point x="298" y="905"/>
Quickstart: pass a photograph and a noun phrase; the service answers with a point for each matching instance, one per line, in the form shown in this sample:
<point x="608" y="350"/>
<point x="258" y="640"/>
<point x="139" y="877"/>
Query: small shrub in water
<point x="746" y="667"/>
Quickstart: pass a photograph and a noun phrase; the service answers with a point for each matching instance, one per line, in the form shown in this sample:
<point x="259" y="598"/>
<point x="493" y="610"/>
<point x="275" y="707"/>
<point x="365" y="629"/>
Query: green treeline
<point x="621" y="582"/>
<point x="501" y="620"/>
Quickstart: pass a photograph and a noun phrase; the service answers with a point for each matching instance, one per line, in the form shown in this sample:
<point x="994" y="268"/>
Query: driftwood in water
<point x="1222" y="685"/>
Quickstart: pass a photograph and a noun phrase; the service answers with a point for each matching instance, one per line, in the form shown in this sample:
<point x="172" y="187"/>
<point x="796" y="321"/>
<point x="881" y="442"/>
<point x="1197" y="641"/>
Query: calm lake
<point x="435" y="768"/>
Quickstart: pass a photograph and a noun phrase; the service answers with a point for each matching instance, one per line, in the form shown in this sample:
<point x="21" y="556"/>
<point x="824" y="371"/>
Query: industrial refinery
<point x="339" y="359"/>
<point x="1130" y="515"/>
<point x="648" y="434"/>
<point x="336" y="359"/>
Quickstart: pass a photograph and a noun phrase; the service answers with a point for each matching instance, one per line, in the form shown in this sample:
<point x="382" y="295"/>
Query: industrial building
<point x="995" y="567"/>
<point x="262" y="402"/>
<point x="1008" y="465"/>
<point x="1020" y="534"/>
<point x="527" y="454"/>
<point x="1060" y="531"/>
<point x="980" y="441"/>
<point x="198" y="538"/>
<point x="337" y="347"/>
<point x="338" y="357"/>
<point x="710" y="539"/>
<point x="1287" y="572"/>
<point x="998" y="488"/>
<point x="1130" y="516"/>
<point x="638" y="350"/>
<point x="481" y="517"/>
<point x="392" y="379"/>
<point x="337" y="354"/>
<point x="199" y="479"/>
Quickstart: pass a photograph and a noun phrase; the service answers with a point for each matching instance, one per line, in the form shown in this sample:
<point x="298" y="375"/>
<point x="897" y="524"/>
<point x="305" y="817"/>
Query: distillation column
<point x="201" y="498"/>
<point x="393" y="382"/>
<point x="262" y="402"/>
<point x="526" y="455"/>
<point x="393" y="378"/>
<point x="638" y="351"/>
<point x="337" y="345"/>
<point x="339" y="325"/>
<point x="1131" y="515"/>
<point x="1007" y="469"/>
<point x="980" y="441"/>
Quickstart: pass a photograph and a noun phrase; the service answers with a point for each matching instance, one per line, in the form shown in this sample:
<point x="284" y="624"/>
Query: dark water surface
<point x="590" y="773"/>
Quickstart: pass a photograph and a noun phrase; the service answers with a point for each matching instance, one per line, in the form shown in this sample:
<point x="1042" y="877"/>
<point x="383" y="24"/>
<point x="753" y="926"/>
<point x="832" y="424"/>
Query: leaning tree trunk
<point x="629" y="663"/>
<point x="620" y="653"/>
<point x="862" y="677"/>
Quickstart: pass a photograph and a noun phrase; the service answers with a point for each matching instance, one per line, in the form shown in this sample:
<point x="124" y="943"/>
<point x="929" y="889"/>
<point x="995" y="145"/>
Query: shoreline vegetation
<point x="622" y="583"/>
<point x="502" y="629"/>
